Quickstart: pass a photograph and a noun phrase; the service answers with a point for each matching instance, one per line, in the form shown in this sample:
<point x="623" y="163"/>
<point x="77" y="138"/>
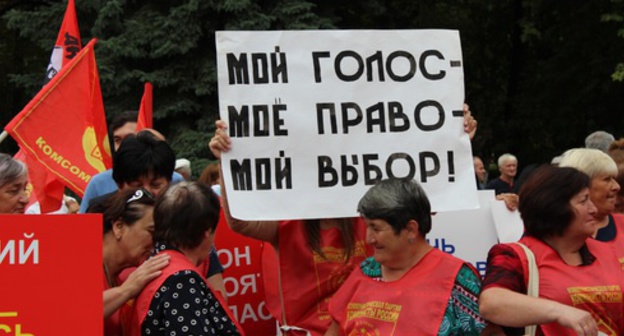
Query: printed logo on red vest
<point x="363" y="328"/>
<point x="380" y="312"/>
<point x="593" y="299"/>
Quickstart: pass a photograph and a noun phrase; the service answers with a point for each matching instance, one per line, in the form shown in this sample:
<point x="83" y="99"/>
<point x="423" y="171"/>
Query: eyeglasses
<point x="138" y="195"/>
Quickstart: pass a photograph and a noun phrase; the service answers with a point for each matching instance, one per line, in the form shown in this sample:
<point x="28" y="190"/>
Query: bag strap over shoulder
<point x="533" y="283"/>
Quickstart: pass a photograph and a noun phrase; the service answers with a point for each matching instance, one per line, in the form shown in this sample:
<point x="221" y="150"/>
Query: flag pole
<point x="3" y="136"/>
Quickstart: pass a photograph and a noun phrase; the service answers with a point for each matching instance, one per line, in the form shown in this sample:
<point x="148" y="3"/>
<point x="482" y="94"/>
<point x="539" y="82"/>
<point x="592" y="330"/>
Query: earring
<point x="118" y="237"/>
<point x="410" y="240"/>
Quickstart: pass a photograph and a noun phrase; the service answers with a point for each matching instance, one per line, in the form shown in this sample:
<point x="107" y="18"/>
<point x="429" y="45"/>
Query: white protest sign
<point x="466" y="234"/>
<point x="509" y="225"/>
<point x="317" y="117"/>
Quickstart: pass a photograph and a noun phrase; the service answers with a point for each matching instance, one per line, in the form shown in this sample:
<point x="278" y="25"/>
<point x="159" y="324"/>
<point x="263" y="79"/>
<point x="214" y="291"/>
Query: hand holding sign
<point x="220" y="142"/>
<point x="470" y="124"/>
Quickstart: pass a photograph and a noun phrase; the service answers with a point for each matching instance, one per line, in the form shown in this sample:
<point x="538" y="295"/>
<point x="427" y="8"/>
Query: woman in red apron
<point x="128" y="228"/>
<point x="306" y="261"/>
<point x="603" y="192"/>
<point x="407" y="287"/>
<point x="581" y="282"/>
<point x="179" y="301"/>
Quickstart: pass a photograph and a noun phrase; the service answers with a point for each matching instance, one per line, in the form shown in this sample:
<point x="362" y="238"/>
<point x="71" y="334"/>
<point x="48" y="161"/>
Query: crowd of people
<point x="370" y="275"/>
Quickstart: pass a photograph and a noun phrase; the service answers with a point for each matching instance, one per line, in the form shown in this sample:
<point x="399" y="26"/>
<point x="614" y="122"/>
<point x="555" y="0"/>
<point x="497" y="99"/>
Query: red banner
<point x="64" y="127"/>
<point x="146" y="115"/>
<point x="240" y="256"/>
<point x="51" y="275"/>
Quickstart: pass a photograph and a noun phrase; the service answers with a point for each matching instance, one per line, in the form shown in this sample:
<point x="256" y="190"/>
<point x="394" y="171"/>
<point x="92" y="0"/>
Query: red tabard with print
<point x="308" y="280"/>
<point x="412" y="305"/>
<point x="134" y="313"/>
<point x="596" y="288"/>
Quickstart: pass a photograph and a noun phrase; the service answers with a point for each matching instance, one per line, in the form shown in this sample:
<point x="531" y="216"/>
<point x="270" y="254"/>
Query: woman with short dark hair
<point x="581" y="282"/>
<point x="13" y="183"/>
<point x="180" y="301"/>
<point x="545" y="207"/>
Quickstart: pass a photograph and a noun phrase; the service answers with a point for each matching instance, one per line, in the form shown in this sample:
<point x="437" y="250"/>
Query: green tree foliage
<point x="616" y="15"/>
<point x="538" y="73"/>
<point x="168" y="43"/>
<point x="564" y="91"/>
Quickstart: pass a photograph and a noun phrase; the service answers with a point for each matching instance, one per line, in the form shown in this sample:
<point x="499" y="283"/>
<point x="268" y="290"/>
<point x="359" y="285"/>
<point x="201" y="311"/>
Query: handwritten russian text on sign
<point x="51" y="281"/>
<point x="323" y="115"/>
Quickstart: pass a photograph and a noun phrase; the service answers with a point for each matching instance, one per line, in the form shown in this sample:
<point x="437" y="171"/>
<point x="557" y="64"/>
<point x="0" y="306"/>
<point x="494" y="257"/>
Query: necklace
<point x="111" y="283"/>
<point x="371" y="268"/>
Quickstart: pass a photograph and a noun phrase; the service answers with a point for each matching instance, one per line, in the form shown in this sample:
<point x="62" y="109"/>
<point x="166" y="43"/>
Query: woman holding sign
<point x="314" y="257"/>
<point x="580" y="280"/>
<point x="13" y="183"/>
<point x="128" y="229"/>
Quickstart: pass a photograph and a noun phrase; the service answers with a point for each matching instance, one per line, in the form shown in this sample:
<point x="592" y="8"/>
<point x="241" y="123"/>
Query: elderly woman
<point x="180" y="301"/>
<point x="580" y="280"/>
<point x="603" y="191"/>
<point x="128" y="228"/>
<point x="407" y="287"/>
<point x="13" y="183"/>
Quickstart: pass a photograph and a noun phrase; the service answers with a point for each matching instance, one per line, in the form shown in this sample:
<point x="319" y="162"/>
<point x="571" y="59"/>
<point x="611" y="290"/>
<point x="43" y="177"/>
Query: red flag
<point x="146" y="119"/>
<point x="67" y="43"/>
<point x="64" y="127"/>
<point x="49" y="191"/>
<point x="46" y="188"/>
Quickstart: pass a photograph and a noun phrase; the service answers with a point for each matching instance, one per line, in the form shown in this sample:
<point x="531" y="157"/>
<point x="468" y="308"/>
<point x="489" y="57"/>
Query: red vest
<point x="306" y="279"/>
<point x="412" y="305"/>
<point x="112" y="324"/>
<point x="596" y="288"/>
<point x="618" y="242"/>
<point x="134" y="314"/>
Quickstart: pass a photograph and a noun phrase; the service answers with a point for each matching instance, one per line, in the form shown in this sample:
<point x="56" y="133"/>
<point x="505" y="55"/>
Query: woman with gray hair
<point x="13" y="183"/>
<point x="603" y="191"/>
<point x="407" y="287"/>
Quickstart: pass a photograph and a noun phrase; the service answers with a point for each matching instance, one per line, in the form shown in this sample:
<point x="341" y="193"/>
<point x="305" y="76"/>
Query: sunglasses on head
<point x="138" y="195"/>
